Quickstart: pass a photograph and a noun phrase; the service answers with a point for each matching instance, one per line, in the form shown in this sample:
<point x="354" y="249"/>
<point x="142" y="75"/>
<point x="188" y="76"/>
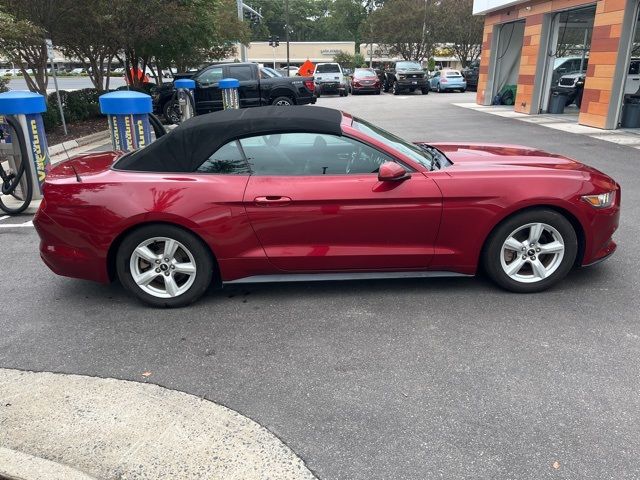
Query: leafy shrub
<point x="78" y="105"/>
<point x="4" y="84"/>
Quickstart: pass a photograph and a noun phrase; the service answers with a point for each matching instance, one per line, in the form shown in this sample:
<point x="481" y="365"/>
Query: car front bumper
<point x="412" y="83"/>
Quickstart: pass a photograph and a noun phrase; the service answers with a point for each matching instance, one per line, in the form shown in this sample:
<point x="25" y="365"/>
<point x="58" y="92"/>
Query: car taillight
<point x="309" y="84"/>
<point x="443" y="80"/>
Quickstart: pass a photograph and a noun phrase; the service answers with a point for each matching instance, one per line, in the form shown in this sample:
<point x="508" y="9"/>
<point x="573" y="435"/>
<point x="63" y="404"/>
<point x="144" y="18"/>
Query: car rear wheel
<point x="425" y="91"/>
<point x="282" y="101"/>
<point x="531" y="251"/>
<point x="438" y="89"/>
<point x="164" y="266"/>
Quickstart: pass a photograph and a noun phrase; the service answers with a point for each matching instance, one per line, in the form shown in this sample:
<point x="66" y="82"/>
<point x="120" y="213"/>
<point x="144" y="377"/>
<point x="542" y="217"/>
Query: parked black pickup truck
<point x="258" y="87"/>
<point x="404" y="75"/>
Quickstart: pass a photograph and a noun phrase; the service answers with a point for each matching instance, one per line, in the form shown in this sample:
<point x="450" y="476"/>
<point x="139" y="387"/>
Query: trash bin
<point x="631" y="113"/>
<point x="557" y="102"/>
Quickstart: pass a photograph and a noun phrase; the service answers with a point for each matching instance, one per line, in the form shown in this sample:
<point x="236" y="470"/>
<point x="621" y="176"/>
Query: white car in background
<point x="329" y="78"/>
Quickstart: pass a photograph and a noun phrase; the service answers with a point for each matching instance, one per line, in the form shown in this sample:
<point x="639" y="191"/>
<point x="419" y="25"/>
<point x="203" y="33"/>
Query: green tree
<point x="346" y="60"/>
<point x="94" y="47"/>
<point x="460" y="29"/>
<point x="407" y="26"/>
<point x="24" y="26"/>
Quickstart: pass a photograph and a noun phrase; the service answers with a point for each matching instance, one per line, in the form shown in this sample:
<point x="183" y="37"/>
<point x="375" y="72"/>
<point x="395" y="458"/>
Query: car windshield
<point x="453" y="73"/>
<point x="363" y="73"/>
<point x="328" y="68"/>
<point x="414" y="152"/>
<point x="408" y="66"/>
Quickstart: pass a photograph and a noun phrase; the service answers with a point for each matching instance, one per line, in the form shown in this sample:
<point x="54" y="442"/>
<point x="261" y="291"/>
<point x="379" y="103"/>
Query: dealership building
<point x="536" y="46"/>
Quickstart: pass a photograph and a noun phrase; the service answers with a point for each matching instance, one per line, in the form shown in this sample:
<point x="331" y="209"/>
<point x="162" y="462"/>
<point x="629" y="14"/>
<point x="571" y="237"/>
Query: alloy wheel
<point x="532" y="253"/>
<point x="163" y="267"/>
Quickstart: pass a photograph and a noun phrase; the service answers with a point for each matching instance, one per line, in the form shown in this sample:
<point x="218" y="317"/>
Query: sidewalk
<point x="629" y="137"/>
<point x="55" y="426"/>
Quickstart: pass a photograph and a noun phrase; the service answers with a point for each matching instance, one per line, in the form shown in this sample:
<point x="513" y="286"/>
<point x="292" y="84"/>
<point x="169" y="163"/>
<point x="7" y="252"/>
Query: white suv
<point x="329" y="78"/>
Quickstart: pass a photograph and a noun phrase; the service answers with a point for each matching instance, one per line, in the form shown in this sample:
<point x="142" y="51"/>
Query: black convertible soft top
<point x="186" y="147"/>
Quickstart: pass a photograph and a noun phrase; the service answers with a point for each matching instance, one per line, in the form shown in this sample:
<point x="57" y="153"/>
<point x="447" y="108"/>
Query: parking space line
<point x="17" y="225"/>
<point x="4" y="218"/>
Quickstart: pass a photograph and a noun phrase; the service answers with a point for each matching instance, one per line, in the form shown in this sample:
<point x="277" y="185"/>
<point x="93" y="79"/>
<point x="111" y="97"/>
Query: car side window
<point x="634" y="68"/>
<point x="228" y="159"/>
<point x="241" y="72"/>
<point x="210" y="76"/>
<point x="292" y="154"/>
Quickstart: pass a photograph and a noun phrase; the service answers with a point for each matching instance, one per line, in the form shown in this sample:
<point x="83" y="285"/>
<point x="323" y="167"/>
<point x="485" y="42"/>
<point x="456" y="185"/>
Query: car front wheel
<point x="395" y="89"/>
<point x="164" y="266"/>
<point x="531" y="251"/>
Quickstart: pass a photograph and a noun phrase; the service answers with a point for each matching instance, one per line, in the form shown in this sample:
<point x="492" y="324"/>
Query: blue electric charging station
<point x="128" y="114"/>
<point x="184" y="88"/>
<point x="25" y="109"/>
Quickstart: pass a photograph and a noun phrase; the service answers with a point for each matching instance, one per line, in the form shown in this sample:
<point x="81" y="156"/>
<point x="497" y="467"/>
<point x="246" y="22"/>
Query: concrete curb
<point x="78" y="142"/>
<point x="21" y="466"/>
<point x="116" y="429"/>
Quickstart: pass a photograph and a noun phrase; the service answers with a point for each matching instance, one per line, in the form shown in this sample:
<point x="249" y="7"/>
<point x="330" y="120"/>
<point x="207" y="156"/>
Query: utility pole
<point x="241" y="47"/>
<point x="286" y="20"/>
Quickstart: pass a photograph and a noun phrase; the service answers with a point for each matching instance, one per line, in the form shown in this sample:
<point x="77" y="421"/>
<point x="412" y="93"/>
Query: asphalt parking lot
<point x="408" y="379"/>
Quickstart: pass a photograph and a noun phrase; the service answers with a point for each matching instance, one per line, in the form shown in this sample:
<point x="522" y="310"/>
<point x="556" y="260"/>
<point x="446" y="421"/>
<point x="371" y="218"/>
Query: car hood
<point x="492" y="156"/>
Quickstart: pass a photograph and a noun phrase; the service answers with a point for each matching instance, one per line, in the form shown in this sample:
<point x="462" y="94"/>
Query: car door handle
<point x="272" y="200"/>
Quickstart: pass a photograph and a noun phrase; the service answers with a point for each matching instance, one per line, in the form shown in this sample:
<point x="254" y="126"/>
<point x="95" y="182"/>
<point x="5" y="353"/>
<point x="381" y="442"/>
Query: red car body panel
<point x="259" y="225"/>
<point x="367" y="83"/>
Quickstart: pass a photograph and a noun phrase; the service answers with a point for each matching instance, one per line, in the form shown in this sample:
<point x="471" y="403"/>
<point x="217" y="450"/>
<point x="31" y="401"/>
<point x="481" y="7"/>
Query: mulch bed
<point x="77" y="130"/>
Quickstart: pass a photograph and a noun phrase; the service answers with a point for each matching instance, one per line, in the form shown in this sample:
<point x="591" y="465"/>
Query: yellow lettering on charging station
<point x="115" y="130"/>
<point x="128" y="132"/>
<point x="40" y="159"/>
<point x="140" y="133"/>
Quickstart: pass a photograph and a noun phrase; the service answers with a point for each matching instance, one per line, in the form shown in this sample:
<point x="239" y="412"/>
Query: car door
<point x="249" y="90"/>
<point x="208" y="97"/>
<point x="316" y="204"/>
<point x="434" y="80"/>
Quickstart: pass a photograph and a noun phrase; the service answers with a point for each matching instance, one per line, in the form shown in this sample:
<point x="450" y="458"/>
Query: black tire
<point x="283" y="101"/>
<point x="201" y="257"/>
<point x="386" y="87"/>
<point x="463" y="90"/>
<point x="377" y="92"/>
<point x="425" y="91"/>
<point x="578" y="100"/>
<point x="171" y="112"/>
<point x="438" y="88"/>
<point x="395" y="89"/>
<point x="20" y="187"/>
<point x="492" y="255"/>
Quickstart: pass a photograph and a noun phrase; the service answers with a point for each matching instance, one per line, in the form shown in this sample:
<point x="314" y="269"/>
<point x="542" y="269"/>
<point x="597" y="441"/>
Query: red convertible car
<point x="309" y="193"/>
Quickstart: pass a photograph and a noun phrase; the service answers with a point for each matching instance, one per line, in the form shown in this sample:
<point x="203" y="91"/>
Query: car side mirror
<point x="392" y="172"/>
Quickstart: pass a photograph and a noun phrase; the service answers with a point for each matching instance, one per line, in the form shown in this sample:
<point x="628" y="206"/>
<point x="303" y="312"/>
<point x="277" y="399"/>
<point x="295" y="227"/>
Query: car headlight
<point x="603" y="200"/>
<point x="401" y="77"/>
